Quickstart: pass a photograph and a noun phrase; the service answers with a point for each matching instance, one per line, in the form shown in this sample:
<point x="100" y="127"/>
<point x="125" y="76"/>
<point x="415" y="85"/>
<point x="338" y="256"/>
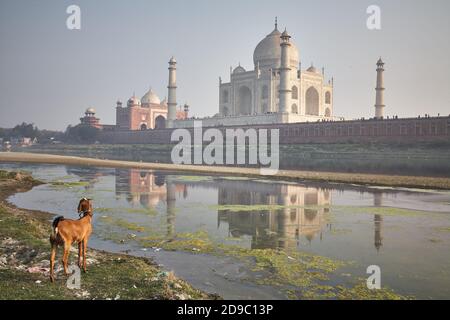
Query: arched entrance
<point x="143" y="126"/>
<point x="312" y="102"/>
<point x="328" y="97"/>
<point x="294" y="93"/>
<point x="245" y="101"/>
<point x="160" y="122"/>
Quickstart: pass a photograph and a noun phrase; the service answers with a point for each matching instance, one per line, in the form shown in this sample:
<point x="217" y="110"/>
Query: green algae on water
<point x="261" y="207"/>
<point x="385" y="211"/>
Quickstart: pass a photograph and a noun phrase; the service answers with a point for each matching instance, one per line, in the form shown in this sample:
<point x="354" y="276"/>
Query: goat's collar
<point x="85" y="213"/>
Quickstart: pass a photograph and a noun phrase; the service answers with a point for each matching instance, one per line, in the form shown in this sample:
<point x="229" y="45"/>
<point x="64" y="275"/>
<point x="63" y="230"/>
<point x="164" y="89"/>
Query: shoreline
<point x="363" y="179"/>
<point x="25" y="252"/>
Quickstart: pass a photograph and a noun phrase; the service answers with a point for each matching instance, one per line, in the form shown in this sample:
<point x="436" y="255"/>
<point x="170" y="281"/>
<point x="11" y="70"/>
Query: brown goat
<point x="67" y="231"/>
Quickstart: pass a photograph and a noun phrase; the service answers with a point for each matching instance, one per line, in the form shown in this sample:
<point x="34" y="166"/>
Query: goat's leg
<point x="80" y="253"/>
<point x="67" y="246"/>
<point x="52" y="262"/>
<point x="85" y="241"/>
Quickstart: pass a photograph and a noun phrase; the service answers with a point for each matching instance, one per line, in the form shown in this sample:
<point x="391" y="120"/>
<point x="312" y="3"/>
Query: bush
<point x="82" y="134"/>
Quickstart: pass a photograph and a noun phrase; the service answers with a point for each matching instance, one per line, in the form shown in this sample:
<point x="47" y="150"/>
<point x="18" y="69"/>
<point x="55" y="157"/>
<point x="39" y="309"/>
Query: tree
<point x="27" y="130"/>
<point x="82" y="134"/>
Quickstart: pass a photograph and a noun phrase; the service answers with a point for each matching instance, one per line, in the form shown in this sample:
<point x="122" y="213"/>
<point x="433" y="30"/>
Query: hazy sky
<point x="49" y="75"/>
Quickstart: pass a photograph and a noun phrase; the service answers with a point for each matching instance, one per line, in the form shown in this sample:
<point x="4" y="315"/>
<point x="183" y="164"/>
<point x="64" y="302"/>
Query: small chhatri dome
<point x="312" y="69"/>
<point x="268" y="52"/>
<point x="380" y="62"/>
<point x="134" y="101"/>
<point x="90" y="111"/>
<point x="150" y="97"/>
<point x="238" y="69"/>
<point x="172" y="60"/>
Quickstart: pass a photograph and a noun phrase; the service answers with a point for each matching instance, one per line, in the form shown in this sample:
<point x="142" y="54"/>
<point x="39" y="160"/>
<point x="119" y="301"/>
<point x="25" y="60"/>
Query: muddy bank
<point x="292" y="175"/>
<point x="24" y="261"/>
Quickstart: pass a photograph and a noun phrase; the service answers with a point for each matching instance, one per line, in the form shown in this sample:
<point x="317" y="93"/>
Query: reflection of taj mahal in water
<point x="298" y="211"/>
<point x="302" y="213"/>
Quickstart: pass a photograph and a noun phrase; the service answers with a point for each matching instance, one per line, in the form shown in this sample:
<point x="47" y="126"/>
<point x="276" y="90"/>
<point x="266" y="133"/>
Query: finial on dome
<point x="285" y="34"/>
<point x="276" y="23"/>
<point x="380" y="62"/>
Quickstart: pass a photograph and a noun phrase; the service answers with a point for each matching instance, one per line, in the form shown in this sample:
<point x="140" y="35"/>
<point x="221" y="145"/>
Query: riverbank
<point x="414" y="159"/>
<point x="25" y="253"/>
<point x="289" y="175"/>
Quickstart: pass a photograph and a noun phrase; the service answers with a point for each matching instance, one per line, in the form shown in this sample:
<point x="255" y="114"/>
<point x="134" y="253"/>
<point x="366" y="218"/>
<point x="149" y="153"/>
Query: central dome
<point x="150" y="97"/>
<point x="268" y="52"/>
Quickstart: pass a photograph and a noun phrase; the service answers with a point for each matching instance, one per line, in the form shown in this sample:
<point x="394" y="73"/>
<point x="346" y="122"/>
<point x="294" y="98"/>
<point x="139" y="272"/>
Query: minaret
<point x="170" y="208"/>
<point x="379" y="102"/>
<point x="285" y="91"/>
<point x="378" y="221"/>
<point x="172" y="100"/>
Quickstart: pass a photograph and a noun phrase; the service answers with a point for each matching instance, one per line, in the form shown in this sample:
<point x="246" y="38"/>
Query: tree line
<point x="73" y="134"/>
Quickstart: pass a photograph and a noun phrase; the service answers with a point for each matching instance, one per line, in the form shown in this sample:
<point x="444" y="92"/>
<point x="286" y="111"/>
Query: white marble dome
<point x="150" y="97"/>
<point x="90" y="110"/>
<point x="268" y="52"/>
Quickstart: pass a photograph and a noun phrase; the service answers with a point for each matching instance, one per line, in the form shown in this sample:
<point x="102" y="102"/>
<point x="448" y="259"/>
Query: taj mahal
<point x="277" y="90"/>
<point x="277" y="84"/>
<point x="276" y="93"/>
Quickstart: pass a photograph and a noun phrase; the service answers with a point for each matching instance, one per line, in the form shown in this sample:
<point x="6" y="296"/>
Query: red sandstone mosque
<point x="149" y="112"/>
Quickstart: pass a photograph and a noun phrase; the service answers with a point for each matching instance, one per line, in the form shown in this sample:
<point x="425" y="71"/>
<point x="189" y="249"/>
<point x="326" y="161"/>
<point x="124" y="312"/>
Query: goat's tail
<point x="55" y="228"/>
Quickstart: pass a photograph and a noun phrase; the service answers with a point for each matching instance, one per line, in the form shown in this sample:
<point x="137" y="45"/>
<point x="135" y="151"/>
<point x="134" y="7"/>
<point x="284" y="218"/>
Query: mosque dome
<point x="133" y="101"/>
<point x="150" y="97"/>
<point x="90" y="110"/>
<point x="268" y="52"/>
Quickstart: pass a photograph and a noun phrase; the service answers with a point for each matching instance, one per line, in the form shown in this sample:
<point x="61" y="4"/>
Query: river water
<point x="146" y="213"/>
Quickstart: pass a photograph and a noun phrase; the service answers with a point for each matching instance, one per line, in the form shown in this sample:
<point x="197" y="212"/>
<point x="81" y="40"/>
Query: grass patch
<point x="192" y="242"/>
<point x="122" y="223"/>
<point x="260" y="207"/>
<point x="69" y="184"/>
<point x="384" y="211"/>
<point x="19" y="285"/>
<point x="300" y="275"/>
